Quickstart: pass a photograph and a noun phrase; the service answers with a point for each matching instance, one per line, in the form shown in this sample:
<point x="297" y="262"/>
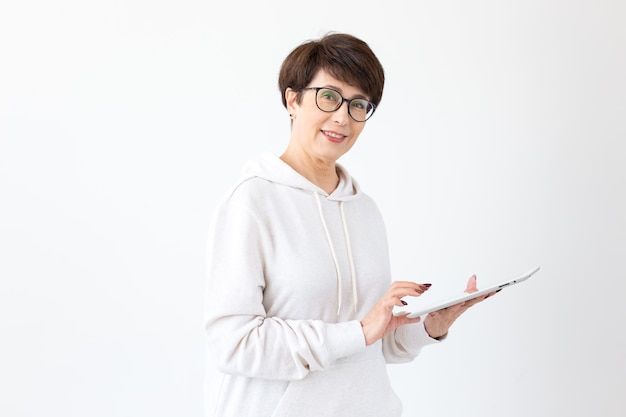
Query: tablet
<point x="419" y="306"/>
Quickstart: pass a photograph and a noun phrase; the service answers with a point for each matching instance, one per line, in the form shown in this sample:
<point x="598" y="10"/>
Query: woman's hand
<point x="380" y="321"/>
<point x="437" y="323"/>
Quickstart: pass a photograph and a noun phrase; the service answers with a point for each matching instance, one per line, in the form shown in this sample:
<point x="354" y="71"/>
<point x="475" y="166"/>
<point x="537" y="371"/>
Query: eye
<point x="361" y="105"/>
<point x="329" y="95"/>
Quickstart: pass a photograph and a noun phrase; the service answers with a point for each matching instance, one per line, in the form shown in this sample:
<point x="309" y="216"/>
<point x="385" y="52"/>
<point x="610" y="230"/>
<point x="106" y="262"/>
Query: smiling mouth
<point x="333" y="135"/>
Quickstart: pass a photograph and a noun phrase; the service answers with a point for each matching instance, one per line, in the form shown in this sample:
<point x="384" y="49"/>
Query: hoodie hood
<point x="270" y="167"/>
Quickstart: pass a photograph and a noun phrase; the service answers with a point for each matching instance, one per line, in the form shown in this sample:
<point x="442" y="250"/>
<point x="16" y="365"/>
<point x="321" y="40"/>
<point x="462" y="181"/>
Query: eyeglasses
<point x="329" y="100"/>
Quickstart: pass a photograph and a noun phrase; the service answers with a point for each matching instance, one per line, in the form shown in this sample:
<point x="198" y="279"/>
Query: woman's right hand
<point x="380" y="321"/>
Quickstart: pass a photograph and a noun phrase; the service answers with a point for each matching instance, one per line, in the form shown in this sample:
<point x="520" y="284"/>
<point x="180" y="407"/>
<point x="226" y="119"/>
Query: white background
<point x="499" y="146"/>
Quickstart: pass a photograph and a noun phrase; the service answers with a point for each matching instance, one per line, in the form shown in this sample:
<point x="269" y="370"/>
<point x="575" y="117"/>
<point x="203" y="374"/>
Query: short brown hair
<point x="345" y="57"/>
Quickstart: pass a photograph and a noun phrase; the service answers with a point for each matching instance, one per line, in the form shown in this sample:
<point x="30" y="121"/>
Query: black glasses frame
<point x="343" y="99"/>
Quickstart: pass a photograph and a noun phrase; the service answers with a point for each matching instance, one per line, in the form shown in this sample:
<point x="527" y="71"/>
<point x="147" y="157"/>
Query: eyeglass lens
<point x="330" y="100"/>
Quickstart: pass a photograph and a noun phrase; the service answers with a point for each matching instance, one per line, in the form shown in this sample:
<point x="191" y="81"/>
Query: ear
<point x="290" y="99"/>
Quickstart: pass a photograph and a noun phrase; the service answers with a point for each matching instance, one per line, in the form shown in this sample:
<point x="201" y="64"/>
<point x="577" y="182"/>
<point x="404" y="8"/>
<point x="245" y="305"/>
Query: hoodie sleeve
<point x="406" y="342"/>
<point x="242" y="339"/>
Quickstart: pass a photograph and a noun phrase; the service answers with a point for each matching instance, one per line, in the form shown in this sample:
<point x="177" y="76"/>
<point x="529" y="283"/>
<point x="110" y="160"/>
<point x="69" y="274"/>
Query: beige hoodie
<point x="291" y="271"/>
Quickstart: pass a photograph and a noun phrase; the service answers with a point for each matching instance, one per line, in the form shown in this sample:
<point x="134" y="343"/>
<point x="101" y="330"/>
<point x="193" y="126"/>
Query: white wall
<point x="499" y="146"/>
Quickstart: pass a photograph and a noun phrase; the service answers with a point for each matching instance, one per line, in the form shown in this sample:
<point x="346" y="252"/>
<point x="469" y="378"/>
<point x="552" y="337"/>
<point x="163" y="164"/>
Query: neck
<point x="319" y="172"/>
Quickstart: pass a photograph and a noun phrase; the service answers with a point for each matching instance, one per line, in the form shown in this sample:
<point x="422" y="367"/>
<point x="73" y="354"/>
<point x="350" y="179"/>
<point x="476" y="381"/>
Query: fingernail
<point x="427" y="285"/>
<point x="403" y="302"/>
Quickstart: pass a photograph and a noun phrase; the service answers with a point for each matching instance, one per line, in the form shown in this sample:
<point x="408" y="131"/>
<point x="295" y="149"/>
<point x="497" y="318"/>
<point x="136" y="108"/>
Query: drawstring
<point x="352" y="271"/>
<point x="334" y="255"/>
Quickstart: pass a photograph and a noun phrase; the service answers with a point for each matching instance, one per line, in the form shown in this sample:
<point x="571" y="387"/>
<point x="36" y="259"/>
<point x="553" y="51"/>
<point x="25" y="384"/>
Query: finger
<point x="394" y="301"/>
<point x="397" y="300"/>
<point x="474" y="301"/>
<point x="491" y="294"/>
<point x="409" y="284"/>
<point x="458" y="307"/>
<point x="479" y="299"/>
<point x="400" y="302"/>
<point x="422" y="288"/>
<point x="402" y="288"/>
<point x="447" y="310"/>
<point x="471" y="285"/>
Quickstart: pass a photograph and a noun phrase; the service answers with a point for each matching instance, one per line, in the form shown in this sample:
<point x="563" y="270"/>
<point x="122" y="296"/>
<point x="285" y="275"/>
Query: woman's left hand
<point x="438" y="323"/>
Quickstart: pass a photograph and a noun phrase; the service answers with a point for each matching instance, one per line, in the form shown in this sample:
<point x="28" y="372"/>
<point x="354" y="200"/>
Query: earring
<point x="291" y="115"/>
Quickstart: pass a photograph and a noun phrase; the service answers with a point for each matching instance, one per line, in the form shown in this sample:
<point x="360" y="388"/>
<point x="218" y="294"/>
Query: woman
<point x="300" y="295"/>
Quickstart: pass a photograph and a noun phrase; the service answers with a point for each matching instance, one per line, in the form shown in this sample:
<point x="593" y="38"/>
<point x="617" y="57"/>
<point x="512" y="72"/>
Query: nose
<point x="340" y="115"/>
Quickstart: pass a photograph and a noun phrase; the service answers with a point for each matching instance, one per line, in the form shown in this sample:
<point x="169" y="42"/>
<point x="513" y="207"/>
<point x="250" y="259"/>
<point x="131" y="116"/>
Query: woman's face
<point x="323" y="136"/>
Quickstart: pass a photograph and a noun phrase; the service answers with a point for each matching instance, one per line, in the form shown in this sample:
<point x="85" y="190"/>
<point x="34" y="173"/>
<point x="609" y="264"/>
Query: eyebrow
<point x="332" y="87"/>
